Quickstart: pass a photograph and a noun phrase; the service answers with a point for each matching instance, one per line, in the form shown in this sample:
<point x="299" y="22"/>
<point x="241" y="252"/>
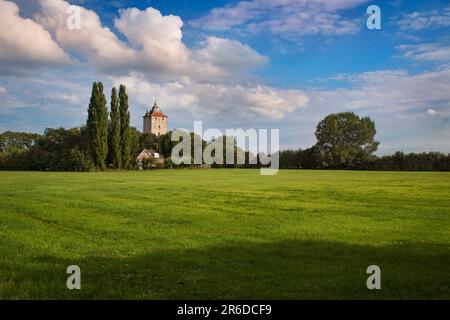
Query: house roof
<point x="148" y="153"/>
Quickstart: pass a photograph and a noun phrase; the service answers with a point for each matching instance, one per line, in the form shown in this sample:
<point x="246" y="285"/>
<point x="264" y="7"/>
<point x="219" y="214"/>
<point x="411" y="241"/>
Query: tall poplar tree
<point x="125" y="131"/>
<point x="114" y="140"/>
<point x="97" y="126"/>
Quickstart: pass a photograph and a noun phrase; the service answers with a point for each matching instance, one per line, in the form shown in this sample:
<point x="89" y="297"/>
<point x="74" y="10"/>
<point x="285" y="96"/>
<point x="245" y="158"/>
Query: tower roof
<point x="155" y="112"/>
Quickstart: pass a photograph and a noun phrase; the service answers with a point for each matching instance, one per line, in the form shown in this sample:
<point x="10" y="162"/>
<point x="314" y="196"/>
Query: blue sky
<point x="257" y="63"/>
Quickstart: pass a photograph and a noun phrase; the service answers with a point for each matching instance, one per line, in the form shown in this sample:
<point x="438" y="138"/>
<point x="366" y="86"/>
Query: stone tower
<point x="155" y="121"/>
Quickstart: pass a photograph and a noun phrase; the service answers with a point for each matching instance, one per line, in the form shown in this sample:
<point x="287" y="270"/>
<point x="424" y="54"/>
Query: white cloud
<point x="211" y="79"/>
<point x="154" y="61"/>
<point x="431" y="19"/>
<point x="283" y="17"/>
<point x="397" y="101"/>
<point x="64" y="98"/>
<point x="302" y="24"/>
<point x="153" y="44"/>
<point x="2" y="90"/>
<point x="25" y="43"/>
<point x="426" y="52"/>
<point x="224" y="101"/>
<point x="389" y="91"/>
<point x="157" y="38"/>
<point x="224" y="58"/>
<point x="381" y="76"/>
<point x="99" y="43"/>
<point x="442" y="114"/>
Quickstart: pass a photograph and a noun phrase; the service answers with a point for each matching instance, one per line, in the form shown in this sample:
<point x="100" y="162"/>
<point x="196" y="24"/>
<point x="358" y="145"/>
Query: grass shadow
<point x="281" y="270"/>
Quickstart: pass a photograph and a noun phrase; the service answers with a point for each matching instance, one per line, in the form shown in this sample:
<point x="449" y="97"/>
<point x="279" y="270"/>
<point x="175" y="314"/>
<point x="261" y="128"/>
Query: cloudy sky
<point x="233" y="64"/>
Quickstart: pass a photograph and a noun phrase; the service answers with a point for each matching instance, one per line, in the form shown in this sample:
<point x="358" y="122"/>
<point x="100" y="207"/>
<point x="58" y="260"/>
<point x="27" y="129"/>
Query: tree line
<point x="346" y="141"/>
<point x="69" y="150"/>
<point x="312" y="158"/>
<point x="108" y="141"/>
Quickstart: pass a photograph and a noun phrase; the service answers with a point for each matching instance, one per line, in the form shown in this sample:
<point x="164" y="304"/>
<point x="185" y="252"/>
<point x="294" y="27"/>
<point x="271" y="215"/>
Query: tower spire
<point x="155" y="121"/>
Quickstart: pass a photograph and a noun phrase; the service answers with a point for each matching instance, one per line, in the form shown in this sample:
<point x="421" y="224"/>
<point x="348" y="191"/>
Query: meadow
<point x="225" y="234"/>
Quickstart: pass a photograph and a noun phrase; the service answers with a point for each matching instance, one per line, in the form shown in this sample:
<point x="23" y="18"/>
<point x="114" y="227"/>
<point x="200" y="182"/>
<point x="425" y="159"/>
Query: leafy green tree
<point x="12" y="141"/>
<point x="166" y="144"/>
<point x="56" y="150"/>
<point x="92" y="120"/>
<point x="114" y="140"/>
<point x="135" y="135"/>
<point x="80" y="161"/>
<point x="290" y="159"/>
<point x="150" y="163"/>
<point x="125" y="130"/>
<point x="60" y="150"/>
<point x="2" y="143"/>
<point x="312" y="158"/>
<point x="97" y="126"/>
<point x="168" y="163"/>
<point x="149" y="141"/>
<point x="431" y="161"/>
<point x="346" y="139"/>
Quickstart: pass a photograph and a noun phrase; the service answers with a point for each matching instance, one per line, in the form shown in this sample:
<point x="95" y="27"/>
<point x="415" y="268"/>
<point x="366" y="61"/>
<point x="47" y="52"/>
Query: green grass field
<point x="231" y="234"/>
